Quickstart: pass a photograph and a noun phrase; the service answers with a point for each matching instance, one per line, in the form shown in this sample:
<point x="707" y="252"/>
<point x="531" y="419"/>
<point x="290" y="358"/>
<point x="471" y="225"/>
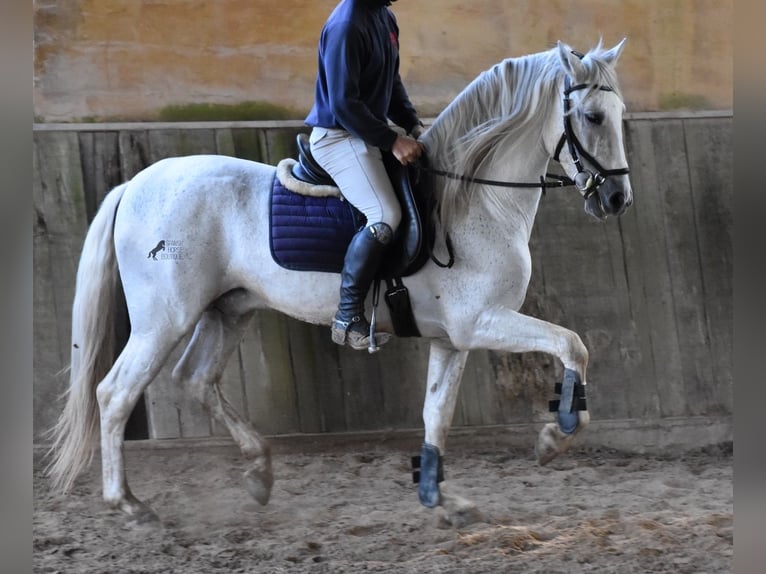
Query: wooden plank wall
<point x="650" y="293"/>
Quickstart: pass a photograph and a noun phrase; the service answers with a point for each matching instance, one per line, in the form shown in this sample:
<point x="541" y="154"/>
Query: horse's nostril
<point x="617" y="201"/>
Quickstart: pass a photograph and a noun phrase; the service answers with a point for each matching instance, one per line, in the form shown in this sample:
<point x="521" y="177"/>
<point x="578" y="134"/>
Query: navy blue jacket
<point x="358" y="87"/>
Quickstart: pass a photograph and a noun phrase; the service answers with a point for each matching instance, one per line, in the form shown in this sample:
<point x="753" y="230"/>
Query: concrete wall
<point x="129" y="59"/>
<point x="650" y="294"/>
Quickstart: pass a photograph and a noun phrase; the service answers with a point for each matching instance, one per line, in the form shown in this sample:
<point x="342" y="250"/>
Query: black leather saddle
<point x="408" y="251"/>
<point x="307" y="169"/>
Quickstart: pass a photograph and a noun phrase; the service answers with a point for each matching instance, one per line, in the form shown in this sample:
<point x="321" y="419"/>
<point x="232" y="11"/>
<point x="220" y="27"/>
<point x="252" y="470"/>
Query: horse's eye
<point x="595" y="117"/>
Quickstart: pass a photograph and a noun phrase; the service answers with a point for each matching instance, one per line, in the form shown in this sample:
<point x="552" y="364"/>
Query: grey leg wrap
<point x="428" y="472"/>
<point x="572" y="400"/>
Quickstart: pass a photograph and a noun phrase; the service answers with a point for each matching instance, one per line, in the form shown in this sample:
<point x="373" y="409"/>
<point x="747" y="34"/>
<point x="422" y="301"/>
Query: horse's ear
<point x="570" y="60"/>
<point x="611" y="56"/>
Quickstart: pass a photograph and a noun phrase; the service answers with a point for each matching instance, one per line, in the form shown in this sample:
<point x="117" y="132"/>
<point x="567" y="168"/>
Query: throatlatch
<point x="572" y="400"/>
<point x="427" y="473"/>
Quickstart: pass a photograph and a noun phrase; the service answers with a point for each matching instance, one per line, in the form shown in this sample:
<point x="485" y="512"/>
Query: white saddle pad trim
<point x="286" y="178"/>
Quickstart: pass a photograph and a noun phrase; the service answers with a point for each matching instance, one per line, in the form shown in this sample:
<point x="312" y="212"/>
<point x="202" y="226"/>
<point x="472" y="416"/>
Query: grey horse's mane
<point x="514" y="95"/>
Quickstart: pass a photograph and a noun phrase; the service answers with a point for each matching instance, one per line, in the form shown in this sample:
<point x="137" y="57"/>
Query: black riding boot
<point x="360" y="265"/>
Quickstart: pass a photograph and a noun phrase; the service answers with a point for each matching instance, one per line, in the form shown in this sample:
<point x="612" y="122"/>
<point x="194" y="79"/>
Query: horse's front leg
<point x="502" y="329"/>
<point x="445" y="369"/>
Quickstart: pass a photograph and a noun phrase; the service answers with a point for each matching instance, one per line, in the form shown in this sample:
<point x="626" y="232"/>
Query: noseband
<point x="587" y="182"/>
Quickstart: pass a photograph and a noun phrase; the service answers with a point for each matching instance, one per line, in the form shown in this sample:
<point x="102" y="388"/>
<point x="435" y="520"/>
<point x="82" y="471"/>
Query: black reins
<point x="558" y="180"/>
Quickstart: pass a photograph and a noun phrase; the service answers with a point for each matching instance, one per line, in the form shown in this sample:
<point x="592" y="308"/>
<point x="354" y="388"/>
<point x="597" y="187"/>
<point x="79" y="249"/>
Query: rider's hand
<point x="406" y="149"/>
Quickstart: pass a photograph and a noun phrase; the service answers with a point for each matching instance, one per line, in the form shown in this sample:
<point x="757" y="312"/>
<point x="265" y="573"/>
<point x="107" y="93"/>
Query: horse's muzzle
<point x="611" y="199"/>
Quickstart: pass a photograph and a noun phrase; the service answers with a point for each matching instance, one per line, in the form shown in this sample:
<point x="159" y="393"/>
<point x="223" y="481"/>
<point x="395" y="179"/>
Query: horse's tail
<point x="75" y="435"/>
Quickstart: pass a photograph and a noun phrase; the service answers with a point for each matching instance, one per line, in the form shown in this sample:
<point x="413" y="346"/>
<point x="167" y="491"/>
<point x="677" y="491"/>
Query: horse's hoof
<point x="460" y="512"/>
<point x="137" y="512"/>
<point x="551" y="442"/>
<point x="146" y="517"/>
<point x="258" y="483"/>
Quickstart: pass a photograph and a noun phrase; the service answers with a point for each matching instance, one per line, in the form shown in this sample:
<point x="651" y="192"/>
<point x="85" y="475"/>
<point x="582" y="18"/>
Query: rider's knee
<point x="392" y="216"/>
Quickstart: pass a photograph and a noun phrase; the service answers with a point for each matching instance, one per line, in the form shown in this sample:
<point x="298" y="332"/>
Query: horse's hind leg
<point x="216" y="336"/>
<point x="117" y="394"/>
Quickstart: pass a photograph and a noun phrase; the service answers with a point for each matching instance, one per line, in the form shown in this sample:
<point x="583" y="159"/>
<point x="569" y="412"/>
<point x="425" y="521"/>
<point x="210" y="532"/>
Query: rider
<point x="358" y="89"/>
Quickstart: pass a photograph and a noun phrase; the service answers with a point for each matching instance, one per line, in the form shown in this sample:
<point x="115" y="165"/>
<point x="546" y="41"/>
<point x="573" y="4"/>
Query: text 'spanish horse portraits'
<point x="488" y="152"/>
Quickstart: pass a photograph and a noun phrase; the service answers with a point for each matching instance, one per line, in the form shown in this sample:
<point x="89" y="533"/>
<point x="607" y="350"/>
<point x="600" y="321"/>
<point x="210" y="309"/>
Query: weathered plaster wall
<point x="128" y="59"/>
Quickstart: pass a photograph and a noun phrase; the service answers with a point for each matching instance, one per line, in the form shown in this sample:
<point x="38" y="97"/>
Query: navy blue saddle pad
<point x="310" y="233"/>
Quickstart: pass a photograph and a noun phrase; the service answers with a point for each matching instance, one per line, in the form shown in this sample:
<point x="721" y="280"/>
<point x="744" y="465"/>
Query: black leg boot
<point x="360" y="265"/>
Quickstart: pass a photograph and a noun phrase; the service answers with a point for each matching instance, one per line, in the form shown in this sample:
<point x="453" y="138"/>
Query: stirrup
<point x="356" y="334"/>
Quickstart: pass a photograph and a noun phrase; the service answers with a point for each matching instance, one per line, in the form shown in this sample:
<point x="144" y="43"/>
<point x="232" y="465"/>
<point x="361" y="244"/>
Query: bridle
<point x="587" y="182"/>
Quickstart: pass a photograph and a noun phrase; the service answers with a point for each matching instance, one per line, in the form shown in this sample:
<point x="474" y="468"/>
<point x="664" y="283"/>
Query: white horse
<point x="505" y="127"/>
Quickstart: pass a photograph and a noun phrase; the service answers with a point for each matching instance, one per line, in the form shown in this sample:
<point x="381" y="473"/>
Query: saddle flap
<point x="406" y="254"/>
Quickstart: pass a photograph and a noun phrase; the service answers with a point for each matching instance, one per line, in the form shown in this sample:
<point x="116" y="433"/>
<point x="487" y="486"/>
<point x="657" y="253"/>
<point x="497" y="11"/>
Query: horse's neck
<point x="508" y="211"/>
<point x="518" y="154"/>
